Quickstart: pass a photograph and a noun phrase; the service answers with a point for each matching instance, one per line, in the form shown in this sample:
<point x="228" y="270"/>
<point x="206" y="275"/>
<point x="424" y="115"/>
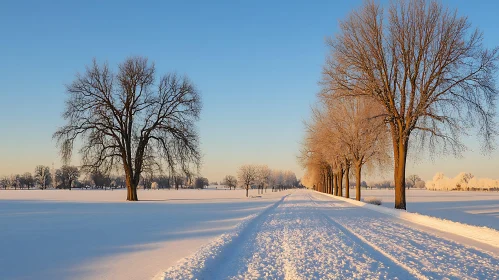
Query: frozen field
<point x="474" y="208"/>
<point x="97" y="235"/>
<point x="220" y="234"/>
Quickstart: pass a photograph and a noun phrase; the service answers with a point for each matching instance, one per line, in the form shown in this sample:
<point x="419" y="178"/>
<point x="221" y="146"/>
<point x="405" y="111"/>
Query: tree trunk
<point x="132" y="193"/>
<point x="131" y="186"/>
<point x="328" y="187"/>
<point x="324" y="190"/>
<point x="400" y="157"/>
<point x="358" y="168"/>
<point x="333" y="176"/>
<point x="347" y="182"/>
<point x="335" y="182"/>
<point x="247" y="188"/>
<point x="340" y="183"/>
<point x="326" y="184"/>
<point x="331" y="185"/>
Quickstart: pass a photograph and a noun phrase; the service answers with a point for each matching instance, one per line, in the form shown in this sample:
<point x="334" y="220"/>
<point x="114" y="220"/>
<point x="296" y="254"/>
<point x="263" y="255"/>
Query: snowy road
<point x="307" y="235"/>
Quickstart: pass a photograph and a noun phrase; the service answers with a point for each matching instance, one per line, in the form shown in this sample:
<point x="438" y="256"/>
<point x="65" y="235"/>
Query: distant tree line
<point x="261" y="177"/>
<point x="412" y="182"/>
<point x="70" y="177"/>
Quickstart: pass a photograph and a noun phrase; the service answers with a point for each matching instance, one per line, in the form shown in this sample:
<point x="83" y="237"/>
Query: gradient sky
<point x="256" y="63"/>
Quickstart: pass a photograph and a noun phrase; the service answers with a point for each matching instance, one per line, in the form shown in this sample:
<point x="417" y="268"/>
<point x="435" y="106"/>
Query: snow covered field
<point x="473" y="208"/>
<point x="84" y="234"/>
<point x="220" y="234"/>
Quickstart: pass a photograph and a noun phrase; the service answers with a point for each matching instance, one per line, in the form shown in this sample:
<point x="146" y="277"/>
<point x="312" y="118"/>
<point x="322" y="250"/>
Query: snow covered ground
<point x="308" y="235"/>
<point x="220" y="234"/>
<point x="84" y="234"/>
<point x="473" y="208"/>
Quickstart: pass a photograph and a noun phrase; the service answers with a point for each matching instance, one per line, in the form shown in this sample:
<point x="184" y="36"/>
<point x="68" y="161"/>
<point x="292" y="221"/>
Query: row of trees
<point x="343" y="135"/>
<point x="42" y="178"/>
<point x="416" y="77"/>
<point x="412" y="181"/>
<point x="261" y="177"/>
<point x="68" y="177"/>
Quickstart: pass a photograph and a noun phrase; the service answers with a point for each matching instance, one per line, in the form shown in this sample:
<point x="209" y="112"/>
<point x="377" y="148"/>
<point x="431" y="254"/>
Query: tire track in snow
<point x="431" y="256"/>
<point x="370" y="246"/>
<point x="294" y="241"/>
<point x="306" y="237"/>
<point x="375" y="250"/>
<point x="207" y="259"/>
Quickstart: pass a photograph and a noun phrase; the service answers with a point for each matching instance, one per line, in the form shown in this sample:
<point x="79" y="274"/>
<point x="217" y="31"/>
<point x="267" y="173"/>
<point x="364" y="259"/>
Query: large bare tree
<point x="42" y="176"/>
<point x="425" y="66"/>
<point x="247" y="175"/>
<point x="263" y="174"/>
<point x="230" y="181"/>
<point x="66" y="176"/>
<point x="131" y="119"/>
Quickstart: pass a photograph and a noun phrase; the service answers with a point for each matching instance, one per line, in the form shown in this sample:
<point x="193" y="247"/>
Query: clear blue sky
<point x="256" y="63"/>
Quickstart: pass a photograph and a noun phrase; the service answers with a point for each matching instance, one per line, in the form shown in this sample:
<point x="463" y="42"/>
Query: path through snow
<point x="310" y="236"/>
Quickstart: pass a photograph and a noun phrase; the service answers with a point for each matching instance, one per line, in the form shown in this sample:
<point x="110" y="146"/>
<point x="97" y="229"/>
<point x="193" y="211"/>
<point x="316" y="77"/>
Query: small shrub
<point x="373" y="200"/>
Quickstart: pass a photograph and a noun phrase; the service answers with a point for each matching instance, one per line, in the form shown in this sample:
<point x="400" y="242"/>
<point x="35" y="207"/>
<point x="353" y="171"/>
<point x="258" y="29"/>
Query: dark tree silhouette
<point x="66" y="176"/>
<point x="129" y="119"/>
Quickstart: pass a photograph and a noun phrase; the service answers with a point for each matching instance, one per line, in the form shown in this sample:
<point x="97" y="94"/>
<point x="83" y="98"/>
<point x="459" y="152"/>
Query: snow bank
<point x="481" y="234"/>
<point x="194" y="266"/>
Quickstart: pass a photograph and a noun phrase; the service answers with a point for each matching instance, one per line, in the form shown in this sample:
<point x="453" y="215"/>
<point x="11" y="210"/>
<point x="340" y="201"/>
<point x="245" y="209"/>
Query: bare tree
<point x="179" y="181"/>
<point x="14" y="181"/>
<point x="427" y="69"/>
<point x="66" y="176"/>
<point x="26" y="180"/>
<point x="413" y="179"/>
<point x="247" y="176"/>
<point x="127" y="119"/>
<point x="230" y="181"/>
<point x="263" y="174"/>
<point x="100" y="179"/>
<point x="290" y="180"/>
<point x="43" y="176"/>
<point x="201" y="182"/>
<point x="4" y="182"/>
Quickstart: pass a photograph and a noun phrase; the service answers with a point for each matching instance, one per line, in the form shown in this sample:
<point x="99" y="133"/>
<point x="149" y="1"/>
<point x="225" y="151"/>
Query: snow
<point x="478" y="208"/>
<point x="309" y="235"/>
<point x="481" y="234"/>
<point x="221" y="234"/>
<point x="95" y="234"/>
